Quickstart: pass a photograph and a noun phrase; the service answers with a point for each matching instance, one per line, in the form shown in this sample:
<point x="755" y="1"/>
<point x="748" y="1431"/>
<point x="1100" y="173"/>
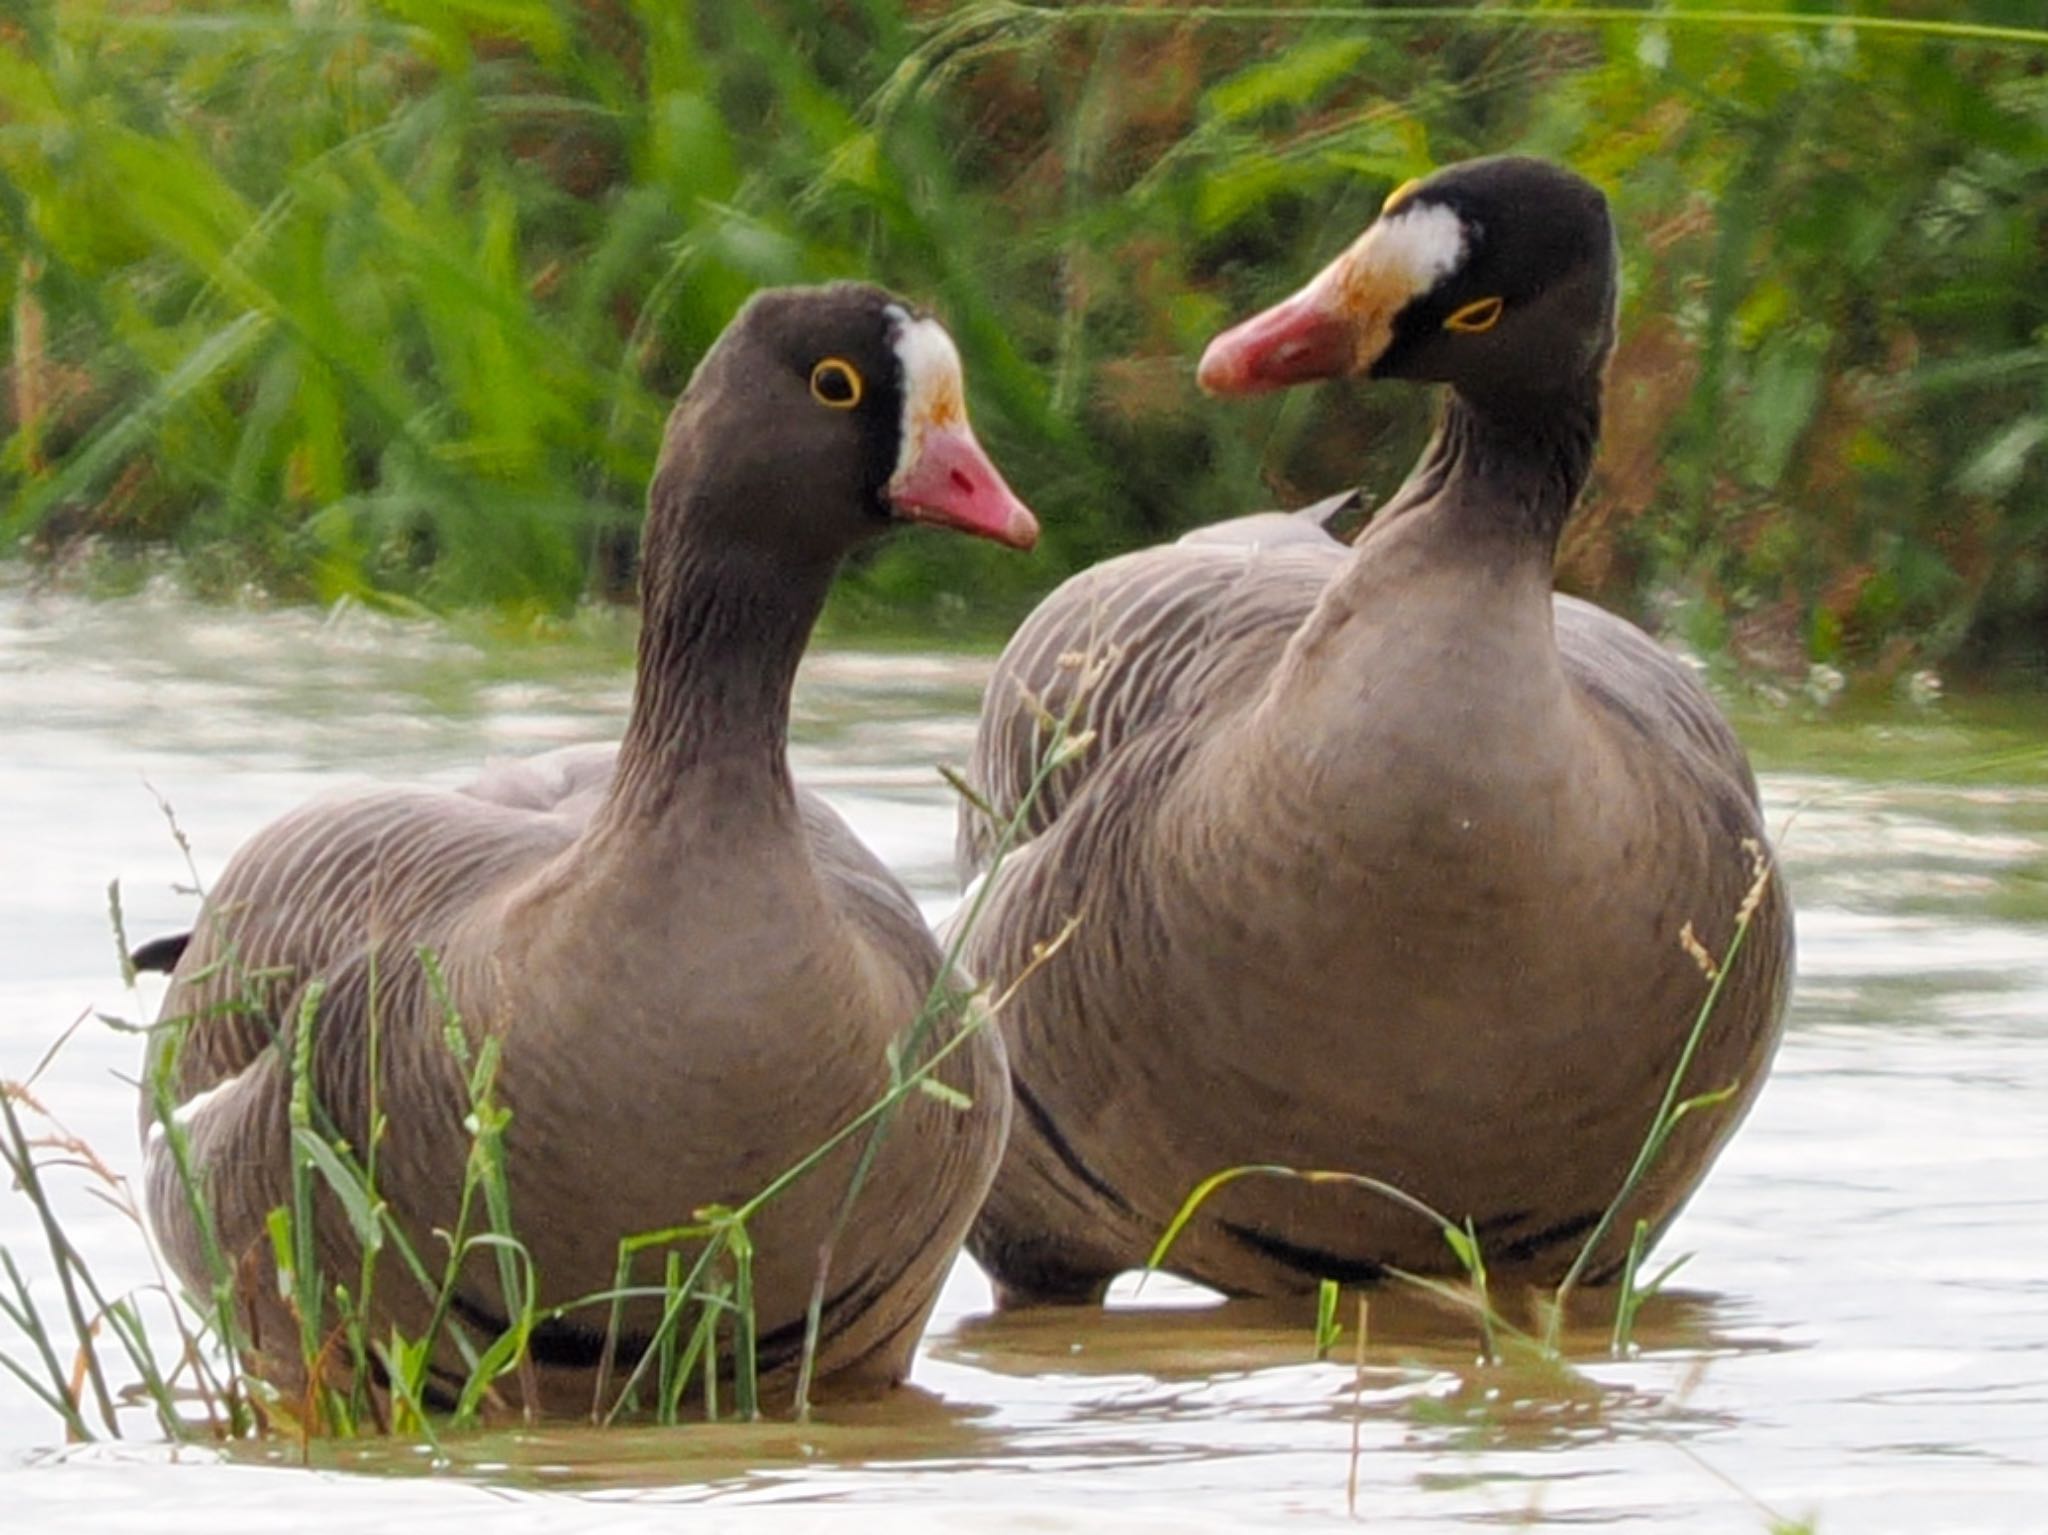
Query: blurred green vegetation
<point x="387" y="298"/>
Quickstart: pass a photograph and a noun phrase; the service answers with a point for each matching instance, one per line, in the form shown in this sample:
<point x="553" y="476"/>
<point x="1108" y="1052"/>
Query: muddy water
<point x="1860" y="1337"/>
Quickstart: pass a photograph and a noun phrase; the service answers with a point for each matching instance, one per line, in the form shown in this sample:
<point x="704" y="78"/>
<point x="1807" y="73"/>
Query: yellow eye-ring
<point x="836" y="382"/>
<point x="1399" y="195"/>
<point x="1480" y="314"/>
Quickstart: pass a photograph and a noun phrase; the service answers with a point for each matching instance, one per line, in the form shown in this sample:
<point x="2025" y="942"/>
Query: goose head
<point x="822" y="417"/>
<point x="1495" y="276"/>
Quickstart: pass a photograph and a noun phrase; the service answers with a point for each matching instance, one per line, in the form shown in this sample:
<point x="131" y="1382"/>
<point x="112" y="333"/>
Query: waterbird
<point x="1381" y="858"/>
<point x="681" y="972"/>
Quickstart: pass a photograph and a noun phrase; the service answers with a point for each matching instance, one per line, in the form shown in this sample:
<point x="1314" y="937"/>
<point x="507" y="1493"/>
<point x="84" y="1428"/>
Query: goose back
<point x="1148" y="640"/>
<point x="1323" y="991"/>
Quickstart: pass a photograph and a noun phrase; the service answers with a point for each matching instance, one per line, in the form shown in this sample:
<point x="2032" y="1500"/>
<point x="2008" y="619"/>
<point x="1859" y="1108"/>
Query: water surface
<point x="1861" y="1336"/>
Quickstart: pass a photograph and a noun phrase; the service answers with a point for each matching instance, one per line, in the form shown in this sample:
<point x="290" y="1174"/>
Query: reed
<point x="354" y="301"/>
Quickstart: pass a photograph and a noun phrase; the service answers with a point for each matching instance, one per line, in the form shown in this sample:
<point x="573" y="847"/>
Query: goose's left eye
<point x="1481" y="314"/>
<point x="835" y="382"/>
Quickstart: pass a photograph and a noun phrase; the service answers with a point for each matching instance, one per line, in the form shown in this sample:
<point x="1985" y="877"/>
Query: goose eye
<point x="1480" y="314"/>
<point x="835" y="382"/>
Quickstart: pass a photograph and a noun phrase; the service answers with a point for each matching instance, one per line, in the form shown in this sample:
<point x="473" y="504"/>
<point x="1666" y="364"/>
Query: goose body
<point x="1382" y="854"/>
<point x="693" y="972"/>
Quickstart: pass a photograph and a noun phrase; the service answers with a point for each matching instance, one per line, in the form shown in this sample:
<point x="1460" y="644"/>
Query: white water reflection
<point x="1863" y="1334"/>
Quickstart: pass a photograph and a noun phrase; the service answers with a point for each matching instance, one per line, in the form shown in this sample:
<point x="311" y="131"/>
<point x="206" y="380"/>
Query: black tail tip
<point x="160" y="954"/>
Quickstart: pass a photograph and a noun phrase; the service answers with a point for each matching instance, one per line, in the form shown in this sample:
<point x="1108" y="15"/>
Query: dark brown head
<point x="1496" y="276"/>
<point x="819" y="418"/>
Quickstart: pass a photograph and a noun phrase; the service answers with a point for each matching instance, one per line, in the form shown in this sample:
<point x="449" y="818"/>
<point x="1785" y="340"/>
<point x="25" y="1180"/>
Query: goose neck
<point x="1506" y="466"/>
<point x="722" y="633"/>
<point x="1439" y="629"/>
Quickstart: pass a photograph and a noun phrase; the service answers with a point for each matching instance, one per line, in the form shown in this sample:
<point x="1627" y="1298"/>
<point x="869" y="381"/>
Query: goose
<point x="1385" y="859"/>
<point x="693" y="972"/>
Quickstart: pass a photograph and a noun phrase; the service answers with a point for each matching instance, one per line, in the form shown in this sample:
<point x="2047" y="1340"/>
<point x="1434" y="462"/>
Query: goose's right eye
<point x="1479" y="315"/>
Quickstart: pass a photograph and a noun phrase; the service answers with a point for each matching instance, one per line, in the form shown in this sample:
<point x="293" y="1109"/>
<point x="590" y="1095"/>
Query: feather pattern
<point x="1384" y="859"/>
<point x="692" y="972"/>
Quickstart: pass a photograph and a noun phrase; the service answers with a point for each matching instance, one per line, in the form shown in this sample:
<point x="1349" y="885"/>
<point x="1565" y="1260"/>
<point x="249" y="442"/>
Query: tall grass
<point x="356" y="298"/>
<point x="359" y="1373"/>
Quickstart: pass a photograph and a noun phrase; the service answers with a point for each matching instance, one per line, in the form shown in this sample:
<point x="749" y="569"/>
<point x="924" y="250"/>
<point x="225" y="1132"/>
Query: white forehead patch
<point x="1427" y="241"/>
<point x="1398" y="258"/>
<point x="933" y="392"/>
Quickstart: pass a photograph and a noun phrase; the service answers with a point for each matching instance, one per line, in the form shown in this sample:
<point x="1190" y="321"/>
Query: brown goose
<point x="693" y="969"/>
<point x="1382" y="854"/>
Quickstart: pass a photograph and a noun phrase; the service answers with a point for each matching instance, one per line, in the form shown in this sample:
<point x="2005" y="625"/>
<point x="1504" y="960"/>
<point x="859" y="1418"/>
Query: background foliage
<point x="387" y="298"/>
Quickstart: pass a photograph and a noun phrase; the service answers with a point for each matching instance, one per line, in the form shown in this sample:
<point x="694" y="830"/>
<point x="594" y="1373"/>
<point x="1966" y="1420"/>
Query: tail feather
<point x="160" y="954"/>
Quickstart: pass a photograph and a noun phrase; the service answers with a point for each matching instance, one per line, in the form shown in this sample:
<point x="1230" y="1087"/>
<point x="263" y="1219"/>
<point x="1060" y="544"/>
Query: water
<point x="1861" y="1337"/>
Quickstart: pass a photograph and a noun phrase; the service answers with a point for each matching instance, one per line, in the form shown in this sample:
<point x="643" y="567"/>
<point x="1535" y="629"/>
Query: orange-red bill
<point x="952" y="483"/>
